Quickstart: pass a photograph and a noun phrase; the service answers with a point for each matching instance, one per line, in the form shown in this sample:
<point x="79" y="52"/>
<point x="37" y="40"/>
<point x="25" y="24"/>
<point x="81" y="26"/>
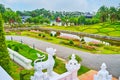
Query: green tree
<point x="4" y="57"/>
<point x="11" y="16"/>
<point x="113" y="14"/>
<point x="81" y="20"/>
<point x="74" y="20"/>
<point x="118" y="12"/>
<point x="103" y="12"/>
<point x="2" y="8"/>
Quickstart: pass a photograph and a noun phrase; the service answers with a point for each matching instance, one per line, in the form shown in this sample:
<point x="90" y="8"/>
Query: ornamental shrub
<point x="39" y="34"/>
<point x="26" y="74"/>
<point x="4" y="57"/>
<point x="43" y="35"/>
<point x="51" y="34"/>
<point x="71" y="42"/>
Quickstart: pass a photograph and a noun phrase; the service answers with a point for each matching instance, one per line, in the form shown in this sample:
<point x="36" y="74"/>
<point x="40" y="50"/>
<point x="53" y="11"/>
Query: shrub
<point x="55" y="35"/>
<point x="4" y="56"/>
<point x="16" y="48"/>
<point x="51" y="34"/>
<point x="43" y="35"/>
<point x="63" y="42"/>
<point x="78" y="58"/>
<point x="9" y="46"/>
<point x="39" y="34"/>
<point x="58" y="33"/>
<point x="26" y="74"/>
<point x="71" y="42"/>
<point x="112" y="48"/>
<point x="83" y="41"/>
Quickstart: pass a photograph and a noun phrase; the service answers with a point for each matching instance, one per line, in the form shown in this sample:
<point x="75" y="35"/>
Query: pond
<point x="88" y="39"/>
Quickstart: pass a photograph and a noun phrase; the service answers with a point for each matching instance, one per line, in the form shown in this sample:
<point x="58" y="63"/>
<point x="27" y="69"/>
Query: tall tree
<point x="81" y="20"/>
<point x="103" y="12"/>
<point x="2" y="8"/>
<point x="113" y="14"/>
<point x="118" y="12"/>
<point x="4" y="57"/>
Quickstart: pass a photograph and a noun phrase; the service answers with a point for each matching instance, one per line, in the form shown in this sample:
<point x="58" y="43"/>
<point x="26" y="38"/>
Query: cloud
<point x="58" y="5"/>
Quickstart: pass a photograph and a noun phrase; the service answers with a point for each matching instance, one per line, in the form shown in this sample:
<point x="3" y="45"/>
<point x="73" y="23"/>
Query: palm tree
<point x="113" y="14"/>
<point x="103" y="12"/>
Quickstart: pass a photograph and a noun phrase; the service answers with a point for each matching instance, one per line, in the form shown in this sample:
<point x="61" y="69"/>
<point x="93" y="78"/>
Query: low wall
<point x="21" y="60"/>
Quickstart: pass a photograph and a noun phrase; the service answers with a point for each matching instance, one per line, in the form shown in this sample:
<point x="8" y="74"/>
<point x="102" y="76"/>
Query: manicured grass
<point x="15" y="70"/>
<point x="101" y="28"/>
<point x="115" y="33"/>
<point x="105" y="30"/>
<point x="91" y="31"/>
<point x="31" y="54"/>
<point x="24" y="50"/>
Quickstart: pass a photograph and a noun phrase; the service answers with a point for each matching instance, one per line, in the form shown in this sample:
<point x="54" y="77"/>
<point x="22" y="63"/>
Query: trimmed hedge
<point x="4" y="57"/>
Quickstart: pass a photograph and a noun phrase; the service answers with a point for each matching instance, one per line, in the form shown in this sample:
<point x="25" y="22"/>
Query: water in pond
<point x="86" y="39"/>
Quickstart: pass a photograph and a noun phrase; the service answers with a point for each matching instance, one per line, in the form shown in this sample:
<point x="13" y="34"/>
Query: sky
<point x="59" y="5"/>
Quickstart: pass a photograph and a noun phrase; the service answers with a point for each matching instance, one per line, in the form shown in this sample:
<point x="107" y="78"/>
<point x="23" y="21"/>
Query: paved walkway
<point x="92" y="61"/>
<point x="90" y="75"/>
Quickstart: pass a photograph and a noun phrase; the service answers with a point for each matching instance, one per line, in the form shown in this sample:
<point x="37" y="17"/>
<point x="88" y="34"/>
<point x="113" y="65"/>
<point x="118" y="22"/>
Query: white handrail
<point x="21" y="60"/>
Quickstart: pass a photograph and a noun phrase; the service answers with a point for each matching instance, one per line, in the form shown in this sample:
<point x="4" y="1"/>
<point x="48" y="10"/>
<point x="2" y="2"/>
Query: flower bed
<point x="68" y="38"/>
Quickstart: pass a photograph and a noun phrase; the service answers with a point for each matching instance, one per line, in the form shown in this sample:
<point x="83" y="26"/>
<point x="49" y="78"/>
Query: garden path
<point x="92" y="61"/>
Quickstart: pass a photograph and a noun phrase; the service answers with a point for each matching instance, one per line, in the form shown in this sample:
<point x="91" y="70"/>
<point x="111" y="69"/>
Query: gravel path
<point x="92" y="61"/>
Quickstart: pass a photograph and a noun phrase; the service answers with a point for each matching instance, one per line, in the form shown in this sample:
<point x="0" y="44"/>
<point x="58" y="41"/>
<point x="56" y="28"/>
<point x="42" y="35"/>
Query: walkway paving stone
<point x="90" y="75"/>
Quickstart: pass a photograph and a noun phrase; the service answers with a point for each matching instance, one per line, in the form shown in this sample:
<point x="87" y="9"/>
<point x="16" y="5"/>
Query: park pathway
<point x="92" y="61"/>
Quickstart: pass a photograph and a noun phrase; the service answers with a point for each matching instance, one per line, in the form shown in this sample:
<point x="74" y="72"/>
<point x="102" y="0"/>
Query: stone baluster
<point x="73" y="66"/>
<point x="103" y="74"/>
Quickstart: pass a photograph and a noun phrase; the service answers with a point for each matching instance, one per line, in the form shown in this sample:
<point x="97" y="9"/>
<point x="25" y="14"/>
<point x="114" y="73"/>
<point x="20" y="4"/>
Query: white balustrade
<point x="103" y="74"/>
<point x="21" y="60"/>
<point x="72" y="66"/>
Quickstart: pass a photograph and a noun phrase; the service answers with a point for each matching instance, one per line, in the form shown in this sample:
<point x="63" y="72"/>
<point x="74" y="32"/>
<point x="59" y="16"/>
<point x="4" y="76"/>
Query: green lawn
<point x="31" y="54"/>
<point x="15" y="70"/>
<point x="107" y="29"/>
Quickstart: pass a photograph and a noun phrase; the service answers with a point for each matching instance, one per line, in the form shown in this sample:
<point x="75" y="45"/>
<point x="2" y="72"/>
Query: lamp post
<point x="11" y="38"/>
<point x="33" y="46"/>
<point x="21" y="41"/>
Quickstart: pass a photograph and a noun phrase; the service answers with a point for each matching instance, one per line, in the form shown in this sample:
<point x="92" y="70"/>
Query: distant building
<point x="88" y="15"/>
<point x="57" y="22"/>
<point x="58" y="19"/>
<point x="24" y="18"/>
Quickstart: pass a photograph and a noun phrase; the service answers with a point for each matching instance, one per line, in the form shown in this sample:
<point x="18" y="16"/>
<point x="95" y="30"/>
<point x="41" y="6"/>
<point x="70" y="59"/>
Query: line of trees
<point x="9" y="15"/>
<point x="108" y="14"/>
<point x="41" y="16"/>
